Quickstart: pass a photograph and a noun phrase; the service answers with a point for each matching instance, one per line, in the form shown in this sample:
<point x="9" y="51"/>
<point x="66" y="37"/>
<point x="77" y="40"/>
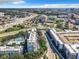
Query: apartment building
<point x="11" y="50"/>
<point x="32" y="44"/>
<point x="66" y="42"/>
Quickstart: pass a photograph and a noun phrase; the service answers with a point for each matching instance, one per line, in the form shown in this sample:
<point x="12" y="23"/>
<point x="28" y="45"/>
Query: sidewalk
<point x="50" y="54"/>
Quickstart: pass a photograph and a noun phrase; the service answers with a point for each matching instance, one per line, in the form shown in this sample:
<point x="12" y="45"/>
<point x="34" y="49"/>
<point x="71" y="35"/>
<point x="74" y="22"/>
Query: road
<point x="50" y="52"/>
<point x="18" y="21"/>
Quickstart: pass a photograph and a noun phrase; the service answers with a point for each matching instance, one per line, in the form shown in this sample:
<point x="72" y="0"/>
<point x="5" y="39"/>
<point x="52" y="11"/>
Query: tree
<point x="60" y="24"/>
<point x="74" y="28"/>
<point x="4" y="57"/>
<point x="45" y="57"/>
<point x="72" y="16"/>
<point x="30" y="55"/>
<point x="66" y="25"/>
<point x="17" y="57"/>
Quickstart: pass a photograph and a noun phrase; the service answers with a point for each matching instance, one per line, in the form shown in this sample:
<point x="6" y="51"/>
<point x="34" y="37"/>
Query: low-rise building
<point x="62" y="16"/>
<point x="11" y="50"/>
<point x="13" y="47"/>
<point x="16" y="41"/>
<point x="1" y="14"/>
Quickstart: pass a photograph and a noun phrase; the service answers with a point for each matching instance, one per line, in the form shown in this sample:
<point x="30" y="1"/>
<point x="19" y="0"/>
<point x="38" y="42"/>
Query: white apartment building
<point x="11" y="50"/>
<point x="32" y="44"/>
<point x="68" y="42"/>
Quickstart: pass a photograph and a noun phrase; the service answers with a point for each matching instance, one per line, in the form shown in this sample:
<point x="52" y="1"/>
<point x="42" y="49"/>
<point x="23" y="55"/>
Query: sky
<point x="39" y="3"/>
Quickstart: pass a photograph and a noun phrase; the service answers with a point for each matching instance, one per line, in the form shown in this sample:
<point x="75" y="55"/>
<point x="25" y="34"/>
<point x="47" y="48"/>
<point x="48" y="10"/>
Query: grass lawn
<point x="11" y="33"/>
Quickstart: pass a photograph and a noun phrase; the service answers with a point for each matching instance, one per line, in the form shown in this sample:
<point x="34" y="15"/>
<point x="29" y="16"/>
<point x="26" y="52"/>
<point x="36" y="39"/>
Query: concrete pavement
<point x="50" y="53"/>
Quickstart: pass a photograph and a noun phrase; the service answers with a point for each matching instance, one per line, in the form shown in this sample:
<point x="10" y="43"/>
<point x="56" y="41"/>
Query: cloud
<point x="57" y="6"/>
<point x="18" y="2"/>
<point x="12" y="1"/>
<point x="3" y="1"/>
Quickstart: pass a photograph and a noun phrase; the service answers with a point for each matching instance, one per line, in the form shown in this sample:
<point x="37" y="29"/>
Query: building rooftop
<point x="11" y="48"/>
<point x="17" y="41"/>
<point x="57" y="38"/>
<point x="32" y="43"/>
<point x="69" y="38"/>
<point x="73" y="48"/>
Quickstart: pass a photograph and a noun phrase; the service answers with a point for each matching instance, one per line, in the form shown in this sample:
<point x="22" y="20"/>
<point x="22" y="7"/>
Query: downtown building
<point x="67" y="43"/>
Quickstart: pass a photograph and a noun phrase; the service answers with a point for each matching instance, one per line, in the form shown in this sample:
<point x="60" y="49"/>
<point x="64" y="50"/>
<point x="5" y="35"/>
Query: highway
<point x="18" y="21"/>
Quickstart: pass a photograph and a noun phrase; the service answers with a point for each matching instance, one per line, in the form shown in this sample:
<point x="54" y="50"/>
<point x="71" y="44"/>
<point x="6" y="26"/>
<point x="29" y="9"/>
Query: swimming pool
<point x="17" y="40"/>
